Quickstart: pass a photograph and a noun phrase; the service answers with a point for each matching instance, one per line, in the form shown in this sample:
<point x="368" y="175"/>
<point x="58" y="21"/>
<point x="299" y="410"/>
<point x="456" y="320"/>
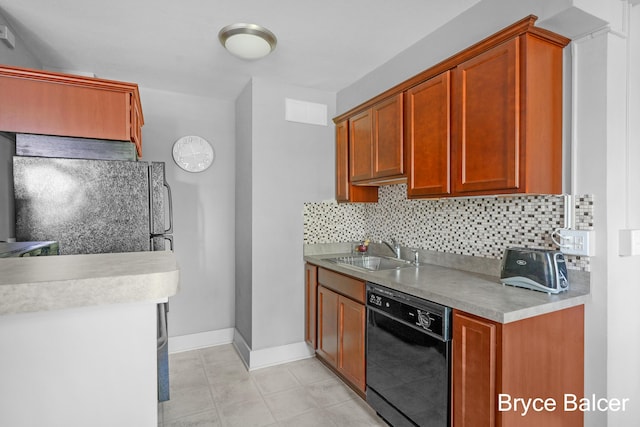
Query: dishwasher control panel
<point x="413" y="311"/>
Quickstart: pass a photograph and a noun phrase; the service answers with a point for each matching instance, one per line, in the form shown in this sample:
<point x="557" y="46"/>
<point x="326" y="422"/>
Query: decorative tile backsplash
<point x="477" y="226"/>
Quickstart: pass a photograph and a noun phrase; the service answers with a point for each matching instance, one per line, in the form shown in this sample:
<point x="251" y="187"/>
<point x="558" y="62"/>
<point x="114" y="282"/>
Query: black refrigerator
<point x="97" y="206"/>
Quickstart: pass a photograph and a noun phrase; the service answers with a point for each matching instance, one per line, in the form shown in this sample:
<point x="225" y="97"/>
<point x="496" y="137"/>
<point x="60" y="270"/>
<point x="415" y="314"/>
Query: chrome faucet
<point x="416" y="257"/>
<point x="395" y="248"/>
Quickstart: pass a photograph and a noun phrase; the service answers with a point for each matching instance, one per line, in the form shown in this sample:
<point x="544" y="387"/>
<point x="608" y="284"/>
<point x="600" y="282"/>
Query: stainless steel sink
<point x="371" y="263"/>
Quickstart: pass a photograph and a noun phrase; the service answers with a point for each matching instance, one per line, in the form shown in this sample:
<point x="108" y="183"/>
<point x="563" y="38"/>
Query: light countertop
<point x="479" y="294"/>
<point x="57" y="282"/>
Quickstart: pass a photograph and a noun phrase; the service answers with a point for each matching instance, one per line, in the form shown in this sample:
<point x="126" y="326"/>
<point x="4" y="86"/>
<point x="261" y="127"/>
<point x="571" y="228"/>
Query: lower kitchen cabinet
<point x="341" y="326"/>
<point x="541" y="357"/>
<point x="328" y="325"/>
<point x="351" y="339"/>
<point x="310" y="296"/>
<point x="475" y="345"/>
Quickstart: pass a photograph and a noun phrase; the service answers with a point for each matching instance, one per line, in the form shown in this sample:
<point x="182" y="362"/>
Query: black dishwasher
<point x="408" y="358"/>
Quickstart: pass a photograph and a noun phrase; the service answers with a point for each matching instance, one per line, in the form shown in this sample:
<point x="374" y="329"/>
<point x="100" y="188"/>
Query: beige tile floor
<point x="212" y="388"/>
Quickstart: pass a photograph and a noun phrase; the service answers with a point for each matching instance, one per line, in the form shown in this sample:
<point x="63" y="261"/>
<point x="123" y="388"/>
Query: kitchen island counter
<point x="479" y="294"/>
<point x="34" y="284"/>
<point x="79" y="338"/>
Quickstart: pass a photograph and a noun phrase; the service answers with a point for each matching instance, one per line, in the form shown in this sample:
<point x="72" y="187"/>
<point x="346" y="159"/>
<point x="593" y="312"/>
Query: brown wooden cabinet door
<point x="59" y="108"/>
<point x="351" y="323"/>
<point x="427" y="116"/>
<point x="310" y="296"/>
<point x="345" y="192"/>
<point x="342" y="161"/>
<point x="543" y="356"/>
<point x="388" y="150"/>
<point x="328" y="325"/>
<point x="475" y="365"/>
<point x="486" y="121"/>
<point x="341" y="326"/>
<point x="49" y="103"/>
<point x="360" y="150"/>
<point x="375" y="141"/>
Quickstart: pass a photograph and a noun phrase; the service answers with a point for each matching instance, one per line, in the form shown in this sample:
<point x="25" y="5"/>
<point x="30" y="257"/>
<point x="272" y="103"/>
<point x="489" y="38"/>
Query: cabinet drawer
<point x="345" y="285"/>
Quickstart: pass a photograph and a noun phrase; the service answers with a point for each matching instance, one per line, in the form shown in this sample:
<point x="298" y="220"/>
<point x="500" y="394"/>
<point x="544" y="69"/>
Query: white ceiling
<point x="173" y="45"/>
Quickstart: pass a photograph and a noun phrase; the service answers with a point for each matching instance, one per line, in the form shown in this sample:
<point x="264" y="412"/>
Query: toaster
<point x="537" y="269"/>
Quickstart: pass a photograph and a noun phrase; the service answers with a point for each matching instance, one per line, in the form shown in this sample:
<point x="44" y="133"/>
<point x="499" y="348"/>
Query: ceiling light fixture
<point x="247" y="41"/>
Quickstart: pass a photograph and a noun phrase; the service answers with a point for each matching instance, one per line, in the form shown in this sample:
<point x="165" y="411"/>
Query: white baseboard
<point x="256" y="359"/>
<point x="253" y="359"/>
<point x="242" y="347"/>
<point x="281" y="354"/>
<point x="201" y="340"/>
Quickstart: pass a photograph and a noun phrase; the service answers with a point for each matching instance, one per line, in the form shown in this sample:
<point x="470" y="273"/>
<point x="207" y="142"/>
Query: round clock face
<point x="193" y="153"/>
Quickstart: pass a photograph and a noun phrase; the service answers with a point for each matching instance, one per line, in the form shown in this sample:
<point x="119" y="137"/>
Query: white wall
<point x="19" y="56"/>
<point x="244" y="212"/>
<point x="480" y="21"/>
<point x="203" y="206"/>
<point x="608" y="151"/>
<point x="291" y="163"/>
<point x="623" y="195"/>
<point x="607" y="10"/>
<point x="634" y="104"/>
<point x="590" y="87"/>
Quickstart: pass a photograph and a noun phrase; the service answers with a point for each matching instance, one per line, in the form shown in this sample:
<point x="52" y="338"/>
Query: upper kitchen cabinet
<point x="376" y="152"/>
<point x="361" y="146"/>
<point x="48" y="103"/>
<point x="427" y="117"/>
<point x="507" y="118"/>
<point x="345" y="191"/>
<point x="487" y="120"/>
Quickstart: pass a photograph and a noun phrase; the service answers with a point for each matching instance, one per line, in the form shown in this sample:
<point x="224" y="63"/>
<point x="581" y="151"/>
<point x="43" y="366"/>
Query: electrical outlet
<point x="576" y="242"/>
<point x="629" y="242"/>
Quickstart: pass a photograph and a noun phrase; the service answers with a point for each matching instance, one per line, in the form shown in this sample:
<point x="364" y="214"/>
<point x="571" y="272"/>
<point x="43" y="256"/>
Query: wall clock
<point x="193" y="153"/>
